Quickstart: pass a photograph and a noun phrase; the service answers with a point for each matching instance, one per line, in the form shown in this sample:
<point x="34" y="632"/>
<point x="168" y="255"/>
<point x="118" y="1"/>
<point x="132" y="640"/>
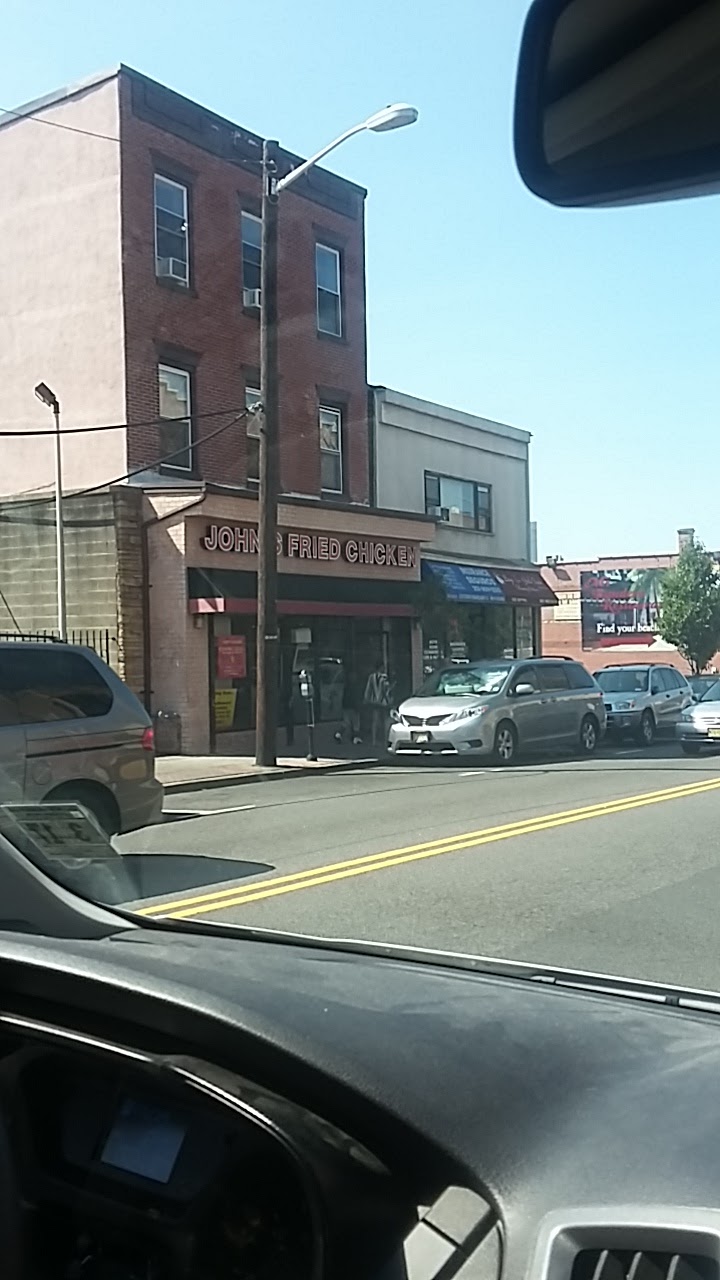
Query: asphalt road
<point x="611" y="865"/>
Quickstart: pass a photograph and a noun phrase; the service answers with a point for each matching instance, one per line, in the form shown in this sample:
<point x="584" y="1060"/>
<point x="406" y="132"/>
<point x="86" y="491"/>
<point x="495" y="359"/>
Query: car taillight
<point x="148" y="740"/>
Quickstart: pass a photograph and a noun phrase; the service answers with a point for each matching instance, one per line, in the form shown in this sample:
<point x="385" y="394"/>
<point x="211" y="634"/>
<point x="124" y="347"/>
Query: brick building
<point x="608" y="610"/>
<point x="130" y="250"/>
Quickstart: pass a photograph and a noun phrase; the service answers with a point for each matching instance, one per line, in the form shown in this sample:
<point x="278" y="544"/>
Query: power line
<point x="3" y="597"/>
<point x="110" y="426"/>
<point x="55" y="124"/>
<point x="148" y="466"/>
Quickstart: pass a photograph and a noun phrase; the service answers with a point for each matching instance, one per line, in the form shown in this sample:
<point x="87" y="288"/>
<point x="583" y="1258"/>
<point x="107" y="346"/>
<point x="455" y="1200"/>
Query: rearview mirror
<point x="618" y="101"/>
<point x="523" y="690"/>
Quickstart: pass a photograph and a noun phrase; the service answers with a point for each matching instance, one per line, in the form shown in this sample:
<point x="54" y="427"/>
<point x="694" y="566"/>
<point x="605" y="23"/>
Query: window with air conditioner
<point x="331" y="466"/>
<point x="463" y="503"/>
<point x="252" y="466"/>
<point x="171" y="231"/>
<point x="329" y="295"/>
<point x="175" y="427"/>
<point x="251" y="242"/>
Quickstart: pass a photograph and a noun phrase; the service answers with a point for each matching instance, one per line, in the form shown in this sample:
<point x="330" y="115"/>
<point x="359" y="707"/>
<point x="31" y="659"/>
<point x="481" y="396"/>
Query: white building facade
<point x="482" y="593"/>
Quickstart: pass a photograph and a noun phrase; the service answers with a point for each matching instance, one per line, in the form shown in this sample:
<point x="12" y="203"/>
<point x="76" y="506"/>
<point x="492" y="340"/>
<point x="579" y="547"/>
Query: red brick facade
<point x="204" y="328"/>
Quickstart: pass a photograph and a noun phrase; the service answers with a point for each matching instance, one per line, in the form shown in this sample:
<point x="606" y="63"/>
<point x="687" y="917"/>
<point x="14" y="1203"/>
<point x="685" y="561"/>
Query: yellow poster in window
<point x="225" y="700"/>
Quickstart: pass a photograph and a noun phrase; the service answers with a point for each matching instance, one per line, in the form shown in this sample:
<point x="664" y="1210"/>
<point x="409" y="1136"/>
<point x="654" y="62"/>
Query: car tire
<point x="589" y="736"/>
<point x="645" y="735"/>
<point x="691" y="748"/>
<point x="505" y="745"/>
<point x="99" y="802"/>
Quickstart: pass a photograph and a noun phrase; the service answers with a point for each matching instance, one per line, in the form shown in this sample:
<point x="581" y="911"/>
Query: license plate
<point x="420" y="737"/>
<point x="713" y="733"/>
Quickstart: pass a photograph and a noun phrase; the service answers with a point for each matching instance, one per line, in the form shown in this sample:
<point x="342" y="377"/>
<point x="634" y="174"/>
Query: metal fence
<point x="97" y="638"/>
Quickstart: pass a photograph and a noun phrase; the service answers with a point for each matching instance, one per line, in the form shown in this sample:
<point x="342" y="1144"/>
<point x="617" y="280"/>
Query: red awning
<point x="524" y="586"/>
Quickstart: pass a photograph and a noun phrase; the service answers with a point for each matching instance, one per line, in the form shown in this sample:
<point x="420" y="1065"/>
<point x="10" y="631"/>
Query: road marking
<point x="219" y="900"/>
<point x="210" y="813"/>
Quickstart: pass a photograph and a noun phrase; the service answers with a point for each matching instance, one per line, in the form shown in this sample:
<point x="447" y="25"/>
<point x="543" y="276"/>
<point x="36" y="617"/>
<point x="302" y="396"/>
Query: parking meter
<point x="307" y="693"/>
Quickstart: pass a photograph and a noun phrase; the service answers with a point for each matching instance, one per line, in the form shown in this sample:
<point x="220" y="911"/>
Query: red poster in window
<point x="231" y="657"/>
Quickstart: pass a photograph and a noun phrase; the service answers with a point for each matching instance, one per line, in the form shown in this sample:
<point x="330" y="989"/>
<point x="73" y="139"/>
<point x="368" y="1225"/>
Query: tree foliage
<point x="690" y="617"/>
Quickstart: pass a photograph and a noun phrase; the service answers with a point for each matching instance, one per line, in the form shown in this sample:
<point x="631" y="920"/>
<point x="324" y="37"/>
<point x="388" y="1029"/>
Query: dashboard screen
<point x="144" y="1139"/>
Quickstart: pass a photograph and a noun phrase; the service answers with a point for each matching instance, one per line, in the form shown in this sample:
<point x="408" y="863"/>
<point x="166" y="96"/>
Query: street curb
<point x="240" y="779"/>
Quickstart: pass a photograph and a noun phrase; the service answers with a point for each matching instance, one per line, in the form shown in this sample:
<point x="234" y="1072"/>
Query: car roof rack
<point x="32" y="637"/>
<point x="554" y="657"/>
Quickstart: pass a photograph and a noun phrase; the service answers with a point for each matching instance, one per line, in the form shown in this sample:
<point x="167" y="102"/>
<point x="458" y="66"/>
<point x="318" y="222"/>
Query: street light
<point x="392" y="117"/>
<point x="48" y="397"/>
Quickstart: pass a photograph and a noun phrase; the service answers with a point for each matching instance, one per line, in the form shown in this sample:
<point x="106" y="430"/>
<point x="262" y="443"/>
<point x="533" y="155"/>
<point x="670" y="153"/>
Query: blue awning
<point x="474" y="584"/>
<point x="470" y="583"/>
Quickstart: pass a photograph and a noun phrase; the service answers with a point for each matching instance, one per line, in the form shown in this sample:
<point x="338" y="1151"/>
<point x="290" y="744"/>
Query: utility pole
<point x="48" y="397"/>
<point x="267" y="621"/>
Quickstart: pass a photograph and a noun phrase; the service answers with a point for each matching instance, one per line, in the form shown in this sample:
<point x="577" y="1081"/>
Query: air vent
<point x="624" y="1264"/>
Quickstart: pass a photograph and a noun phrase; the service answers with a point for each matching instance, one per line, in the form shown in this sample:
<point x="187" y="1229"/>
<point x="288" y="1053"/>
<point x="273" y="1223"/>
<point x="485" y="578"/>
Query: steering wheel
<point x="10" y="1236"/>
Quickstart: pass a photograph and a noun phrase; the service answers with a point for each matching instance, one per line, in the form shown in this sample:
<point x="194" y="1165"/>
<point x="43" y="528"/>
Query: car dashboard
<point x="129" y="1165"/>
<point x="179" y="1106"/>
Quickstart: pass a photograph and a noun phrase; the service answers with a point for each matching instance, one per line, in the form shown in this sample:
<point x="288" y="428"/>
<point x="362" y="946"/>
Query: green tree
<point x="690" y="618"/>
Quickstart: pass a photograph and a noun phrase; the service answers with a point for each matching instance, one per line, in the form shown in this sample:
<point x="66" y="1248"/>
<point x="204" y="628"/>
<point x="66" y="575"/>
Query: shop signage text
<point x="243" y="540"/>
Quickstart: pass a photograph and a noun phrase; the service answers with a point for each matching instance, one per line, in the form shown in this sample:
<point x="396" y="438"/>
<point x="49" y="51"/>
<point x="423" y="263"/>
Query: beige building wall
<point x="61" y="313"/>
<point x="176" y="524"/>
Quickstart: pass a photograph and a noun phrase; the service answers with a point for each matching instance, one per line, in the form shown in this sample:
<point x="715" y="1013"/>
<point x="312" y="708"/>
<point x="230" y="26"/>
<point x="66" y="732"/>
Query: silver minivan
<point x="500" y="708"/>
<point x="644" y="699"/>
<point x="70" y="730"/>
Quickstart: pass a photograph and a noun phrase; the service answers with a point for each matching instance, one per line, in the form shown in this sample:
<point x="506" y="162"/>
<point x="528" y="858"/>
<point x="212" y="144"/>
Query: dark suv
<point x="71" y="730"/>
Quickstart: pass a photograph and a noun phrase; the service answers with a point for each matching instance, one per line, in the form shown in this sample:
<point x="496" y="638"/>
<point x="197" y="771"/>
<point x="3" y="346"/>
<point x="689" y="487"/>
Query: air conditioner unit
<point x="254" y="425"/>
<point x="173" y="269"/>
<point x="252" y="297"/>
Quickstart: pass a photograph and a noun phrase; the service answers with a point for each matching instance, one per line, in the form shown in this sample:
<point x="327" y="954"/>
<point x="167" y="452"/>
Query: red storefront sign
<point x="231" y="657"/>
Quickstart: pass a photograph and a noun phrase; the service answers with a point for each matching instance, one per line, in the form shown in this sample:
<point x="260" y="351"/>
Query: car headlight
<point x="625" y="706"/>
<point x="687" y="716"/>
<point x="465" y="713"/>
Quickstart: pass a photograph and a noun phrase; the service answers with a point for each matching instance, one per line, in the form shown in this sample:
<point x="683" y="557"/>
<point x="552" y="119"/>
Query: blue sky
<point x="595" y="330"/>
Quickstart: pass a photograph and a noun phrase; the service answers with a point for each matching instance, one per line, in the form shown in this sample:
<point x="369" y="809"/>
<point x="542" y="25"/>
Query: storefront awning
<point x="476" y="584"/>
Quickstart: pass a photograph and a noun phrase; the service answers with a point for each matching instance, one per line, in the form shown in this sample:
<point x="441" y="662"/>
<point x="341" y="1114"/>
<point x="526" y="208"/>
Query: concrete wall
<point x="414" y="436"/>
<point x="104" y="573"/>
<point x="60" y="288"/>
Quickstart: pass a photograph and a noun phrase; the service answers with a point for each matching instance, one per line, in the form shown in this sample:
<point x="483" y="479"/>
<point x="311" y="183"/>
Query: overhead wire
<point x="55" y="124"/>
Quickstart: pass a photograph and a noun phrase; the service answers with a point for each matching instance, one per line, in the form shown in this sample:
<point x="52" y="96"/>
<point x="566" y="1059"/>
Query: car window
<point x="526" y="675"/>
<point x="475" y="678"/>
<point x="657" y="684"/>
<point x="623" y="680"/>
<point x="579" y="678"/>
<point x="553" y="677"/>
<point x="40" y="687"/>
<point x="676" y="680"/>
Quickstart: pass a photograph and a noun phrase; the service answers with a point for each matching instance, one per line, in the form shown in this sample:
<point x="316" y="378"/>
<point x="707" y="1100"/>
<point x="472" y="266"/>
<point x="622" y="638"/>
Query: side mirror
<point x="619" y="103"/>
<point x="524" y="690"/>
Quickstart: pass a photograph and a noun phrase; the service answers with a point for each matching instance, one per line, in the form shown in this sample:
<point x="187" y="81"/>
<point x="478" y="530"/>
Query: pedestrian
<point x="350" y="726"/>
<point x="377" y="698"/>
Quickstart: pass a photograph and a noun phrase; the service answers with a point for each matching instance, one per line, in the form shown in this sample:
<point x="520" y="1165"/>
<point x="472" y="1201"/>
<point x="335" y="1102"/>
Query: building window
<point x="331" y="471"/>
<point x="171" y="231"/>
<point x="252" y="470"/>
<point x="251" y="237"/>
<point x="459" y="502"/>
<point x="176" y="415"/>
<point x="329" y="300"/>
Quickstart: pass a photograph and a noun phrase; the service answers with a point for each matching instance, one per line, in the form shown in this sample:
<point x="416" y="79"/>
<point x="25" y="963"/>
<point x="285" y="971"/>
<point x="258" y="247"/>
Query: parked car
<point x="643" y="699"/>
<point x="699" y="724"/>
<point x="701" y="684"/>
<point x="500" y="708"/>
<point x="71" y="730"/>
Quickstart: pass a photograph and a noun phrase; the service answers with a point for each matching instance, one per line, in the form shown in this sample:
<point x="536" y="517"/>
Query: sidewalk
<point x="194" y="773"/>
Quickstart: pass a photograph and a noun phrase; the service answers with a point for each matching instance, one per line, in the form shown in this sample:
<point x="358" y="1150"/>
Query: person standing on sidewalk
<point x="350" y="727"/>
<point x="377" y="699"/>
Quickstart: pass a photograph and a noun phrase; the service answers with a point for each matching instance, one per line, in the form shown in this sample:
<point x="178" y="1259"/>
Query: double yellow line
<point x="238" y="896"/>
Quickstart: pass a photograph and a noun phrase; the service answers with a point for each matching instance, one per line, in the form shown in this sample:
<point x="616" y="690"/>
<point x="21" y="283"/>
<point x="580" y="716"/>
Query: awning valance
<point x="478" y="584"/>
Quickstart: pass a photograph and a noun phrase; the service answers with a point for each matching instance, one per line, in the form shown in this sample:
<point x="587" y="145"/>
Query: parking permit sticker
<point x="59" y="832"/>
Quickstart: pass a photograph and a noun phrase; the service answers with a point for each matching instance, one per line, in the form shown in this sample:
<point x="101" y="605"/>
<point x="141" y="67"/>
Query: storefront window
<point x="524" y="633"/>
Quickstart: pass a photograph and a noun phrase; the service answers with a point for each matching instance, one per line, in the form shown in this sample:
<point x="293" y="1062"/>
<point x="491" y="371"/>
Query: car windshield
<point x="476" y="678"/>
<point x="358" y="475"/>
<point x="620" y="681"/>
